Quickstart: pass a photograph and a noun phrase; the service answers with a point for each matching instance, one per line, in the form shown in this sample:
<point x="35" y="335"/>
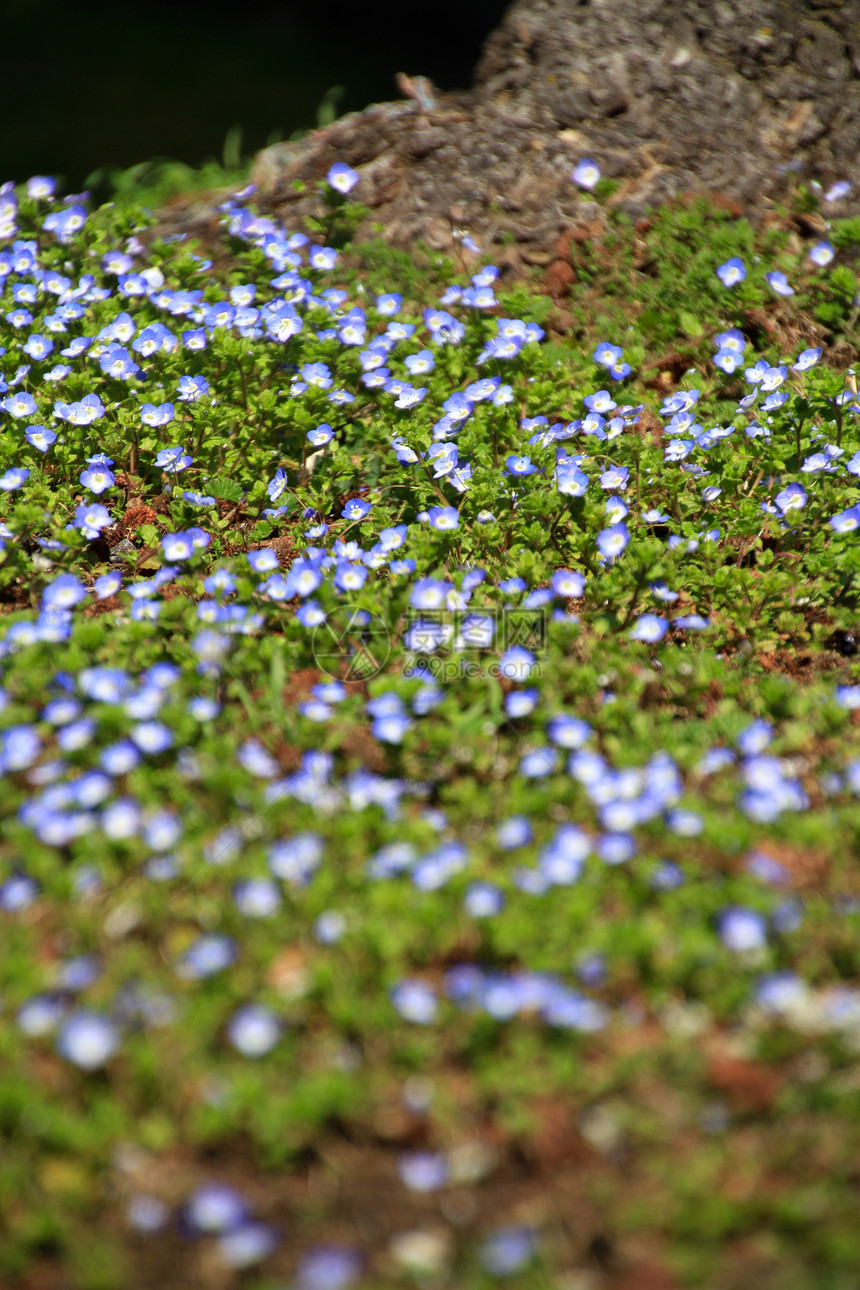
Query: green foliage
<point x="766" y="588"/>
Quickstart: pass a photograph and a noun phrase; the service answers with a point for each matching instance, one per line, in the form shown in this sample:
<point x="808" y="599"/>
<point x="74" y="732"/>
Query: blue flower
<point x="848" y="696"/>
<point x="83" y="413"/>
<point x="650" y="628"/>
<point x="194" y="340"/>
<point x="428" y="593"/>
<point x="322" y="435"/>
<point x="64" y="223"/>
<point x="778" y="282"/>
<point x="42" y="187"/>
<point x="214" y="1207"/>
<point x="388" y="305"/>
<point x="732" y="272"/>
<point x="192" y="388"/>
<point x="508" y="1250"/>
<point x="173" y="460"/>
<point x="586" y="174"/>
<point x="356" y="509"/>
<point x="416" y="1002"/>
<point x="277" y="485"/>
<point x="846" y="521"/>
<point x="423" y="1171"/>
<point x="14" y="478"/>
<point x="38" y="347"/>
<point x="407" y="396"/>
<point x="568" y="583"/>
<point x="731" y="339"/>
<point x="443" y="518"/>
<point x="342" y="177"/>
<point x="516" y="663"/>
<point x="19" y="404"/>
<point x="182" y="546"/>
<point x="19" y="317"/>
<point x="607" y="355"/>
<point x="18" y="892"/>
<point x="87" y="1040"/>
<point x="514" y="832"/>
<point x="91" y="519"/>
<point x="742" y="929"/>
<point x="616" y="477"/>
<point x="570" y="480"/>
<point x="792" y="498"/>
<point x="807" y="359"/>
<point x="519" y="466"/>
<point x="822" y="253"/>
<point x="601" y="402"/>
<point x="391" y="727"/>
<point x="418" y="364"/>
<point x="519" y="703"/>
<point x="262" y="561"/>
<point x="254" y="1030"/>
<point x="567" y="731"/>
<point x="118" y="363"/>
<point x="246" y="1245"/>
<point x="328" y="1268"/>
<point x="116" y="262"/>
<point x="612" y="541"/>
<point x="728" y="360"/>
<point x="538" y="763"/>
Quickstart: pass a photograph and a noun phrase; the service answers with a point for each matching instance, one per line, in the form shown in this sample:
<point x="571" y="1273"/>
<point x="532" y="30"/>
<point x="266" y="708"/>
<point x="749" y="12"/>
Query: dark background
<point x="89" y="84"/>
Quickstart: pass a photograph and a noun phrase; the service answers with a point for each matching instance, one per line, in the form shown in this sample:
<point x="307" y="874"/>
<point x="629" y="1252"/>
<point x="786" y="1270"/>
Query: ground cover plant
<point x="429" y="751"/>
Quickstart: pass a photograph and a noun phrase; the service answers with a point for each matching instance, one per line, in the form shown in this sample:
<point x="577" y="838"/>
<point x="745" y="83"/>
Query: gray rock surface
<point x="737" y="97"/>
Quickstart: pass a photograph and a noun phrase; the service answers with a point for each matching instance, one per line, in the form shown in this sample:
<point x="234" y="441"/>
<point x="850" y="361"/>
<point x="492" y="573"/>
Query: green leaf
<point x="691" y="324"/>
<point x="228" y="490"/>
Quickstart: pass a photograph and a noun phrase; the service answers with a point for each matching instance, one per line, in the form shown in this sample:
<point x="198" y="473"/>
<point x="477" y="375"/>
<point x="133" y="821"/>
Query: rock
<point x="739" y="98"/>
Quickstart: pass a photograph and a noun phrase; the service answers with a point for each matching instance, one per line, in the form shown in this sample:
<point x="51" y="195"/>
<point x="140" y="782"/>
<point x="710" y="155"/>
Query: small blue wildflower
<point x="822" y="254"/>
<point x="416" y="1002"/>
<point x="742" y="929"/>
<point x="807" y="359"/>
<point x="14" y="479"/>
<point x="423" y="1171"/>
<point x="650" y="628"/>
<point x="342" y="177"/>
<point x="192" y="388"/>
<point x="846" y="521"/>
<point x="779" y="283"/>
<point x="389" y="304"/>
<point x="728" y="360"/>
<point x="443" y="518"/>
<point x="519" y="467"/>
<point x="508" y="1250"/>
<point x="254" y="1030"/>
<point x="732" y="272"/>
<point x="173" y="460"/>
<point x="612" y="541"/>
<point x="792" y="498"/>
<point x="20" y="404"/>
<point x="328" y="1268"/>
<point x="88" y="1040"/>
<point x="418" y="364"/>
<point x="586" y="173"/>
<point x="356" y="509"/>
